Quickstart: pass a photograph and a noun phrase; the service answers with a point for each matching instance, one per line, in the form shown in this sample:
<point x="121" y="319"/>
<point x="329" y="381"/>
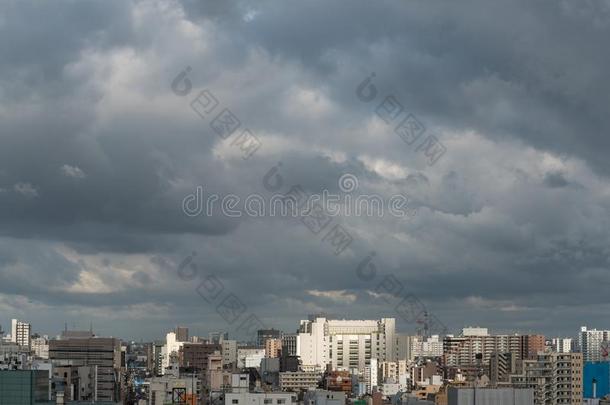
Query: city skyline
<point x="138" y="137"/>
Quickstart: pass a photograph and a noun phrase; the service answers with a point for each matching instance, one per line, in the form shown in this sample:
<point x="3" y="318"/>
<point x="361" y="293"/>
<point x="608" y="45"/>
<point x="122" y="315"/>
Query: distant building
<point x="260" y="398"/>
<point x="345" y="344"/>
<point x="229" y="353"/>
<point x="490" y="396"/>
<point x="182" y="333"/>
<point x="263" y="334"/>
<point x="299" y="380"/>
<point x="249" y="357"/>
<point x="21" y="332"/>
<point x="593" y="344"/>
<point x="273" y="347"/>
<point x="289" y="344"/>
<point x="563" y="345"/>
<point x="196" y="355"/>
<point x="40" y="347"/>
<point x="322" y="397"/>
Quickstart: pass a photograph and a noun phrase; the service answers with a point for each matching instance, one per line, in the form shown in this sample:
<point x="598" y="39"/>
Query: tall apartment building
<point x="591" y="343"/>
<point x="563" y="345"/>
<point x="501" y="366"/>
<point x="273" y="348"/>
<point x="422" y="346"/>
<point x="95" y="361"/>
<point x="555" y="377"/>
<point x="20" y="333"/>
<point x="345" y="344"/>
<point x="229" y="353"/>
<point x="462" y="351"/>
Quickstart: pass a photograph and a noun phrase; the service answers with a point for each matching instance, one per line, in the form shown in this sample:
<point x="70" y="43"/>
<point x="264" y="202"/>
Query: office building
<point x="229" y="353"/>
<point x="404" y="347"/>
<point x="196" y="355"/>
<point x="345" y="344"/>
<point x="289" y="344"/>
<point x="95" y="363"/>
<point x="182" y="333"/>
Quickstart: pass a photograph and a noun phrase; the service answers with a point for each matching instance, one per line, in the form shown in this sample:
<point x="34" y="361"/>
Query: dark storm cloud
<point x="98" y="153"/>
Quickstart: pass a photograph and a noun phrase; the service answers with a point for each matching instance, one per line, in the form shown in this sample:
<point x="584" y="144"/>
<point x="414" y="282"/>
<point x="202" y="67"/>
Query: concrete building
<point x="593" y="344"/>
<point x="196" y="355"/>
<point x="345" y="344"/>
<point x="489" y="396"/>
<point x="299" y="380"/>
<point x="95" y="359"/>
<point x="403" y="347"/>
<point x="21" y="332"/>
<point x="563" y="345"/>
<point x="273" y="348"/>
<point x="431" y="346"/>
<point x="182" y="333"/>
<point x="161" y="389"/>
<point x="260" y="398"/>
<point x="557" y="378"/>
<point x="40" y="347"/>
<point x="501" y="366"/>
<point x="289" y="344"/>
<point x="249" y="357"/>
<point x="322" y="397"/>
<point x="462" y="351"/>
<point x="229" y="353"/>
<point x="263" y="334"/>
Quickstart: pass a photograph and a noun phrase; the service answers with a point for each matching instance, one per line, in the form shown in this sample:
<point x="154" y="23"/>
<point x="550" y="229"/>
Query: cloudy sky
<point x="99" y="146"/>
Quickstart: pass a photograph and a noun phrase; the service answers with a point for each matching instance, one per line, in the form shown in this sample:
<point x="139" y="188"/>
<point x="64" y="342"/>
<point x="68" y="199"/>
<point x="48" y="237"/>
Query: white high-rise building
<point x="563" y="345"/>
<point x="20" y="332"/>
<point x="431" y="346"/>
<point x="345" y="344"/>
<point x="591" y="342"/>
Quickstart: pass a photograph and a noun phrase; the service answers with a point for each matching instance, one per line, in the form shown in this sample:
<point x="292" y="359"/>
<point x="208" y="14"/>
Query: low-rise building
<point x="299" y="380"/>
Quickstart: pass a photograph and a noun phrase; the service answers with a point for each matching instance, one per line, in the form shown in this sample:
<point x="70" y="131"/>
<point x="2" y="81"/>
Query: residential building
<point x="273" y="347"/>
<point x="563" y="345"/>
<point x="40" y="346"/>
<point x="21" y="332"/>
<point x="299" y="380"/>
<point x="260" y="398"/>
<point x="593" y="344"/>
<point x="249" y="357"/>
<point x="229" y="353"/>
<point x="289" y="344"/>
<point x="263" y="334"/>
<point x="557" y="378"/>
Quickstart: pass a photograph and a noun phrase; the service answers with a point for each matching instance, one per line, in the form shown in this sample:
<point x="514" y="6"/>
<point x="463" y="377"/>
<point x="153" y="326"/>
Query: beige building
<point x="298" y="380"/>
<point x="273" y="348"/>
<point x="555" y="377"/>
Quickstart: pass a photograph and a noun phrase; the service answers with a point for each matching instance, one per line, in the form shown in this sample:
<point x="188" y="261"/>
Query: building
<point x="289" y="344"/>
<point x="463" y="351"/>
<point x="263" y="334"/>
<point x="299" y="380"/>
<point x="182" y="333"/>
<point x="93" y="361"/>
<point x="40" y="346"/>
<point x="273" y="348"/>
<point x="555" y="377"/>
<point x="593" y="344"/>
<point x="322" y="397"/>
<point x="260" y="398"/>
<point x="501" y="366"/>
<point x="161" y="389"/>
<point x="563" y="345"/>
<point x="345" y="344"/>
<point x="229" y="353"/>
<point x="24" y="387"/>
<point x="249" y="357"/>
<point x="596" y="379"/>
<point x="422" y="346"/>
<point x="489" y="396"/>
<point x="21" y="332"/>
<point x="403" y="347"/>
<point x="196" y="355"/>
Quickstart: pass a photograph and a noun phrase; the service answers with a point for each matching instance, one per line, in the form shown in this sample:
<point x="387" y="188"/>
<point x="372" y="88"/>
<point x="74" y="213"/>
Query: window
<point x="281" y="401"/>
<point x="235" y="401"/>
<point x="267" y="401"/>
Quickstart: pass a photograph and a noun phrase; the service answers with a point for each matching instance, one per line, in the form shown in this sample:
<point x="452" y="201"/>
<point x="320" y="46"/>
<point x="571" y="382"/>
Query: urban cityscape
<point x="323" y="361"/>
<point x="304" y="202"/>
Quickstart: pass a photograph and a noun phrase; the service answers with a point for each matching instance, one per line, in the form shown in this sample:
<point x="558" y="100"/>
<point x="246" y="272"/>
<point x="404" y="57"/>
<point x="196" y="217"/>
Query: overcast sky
<point x="99" y="146"/>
